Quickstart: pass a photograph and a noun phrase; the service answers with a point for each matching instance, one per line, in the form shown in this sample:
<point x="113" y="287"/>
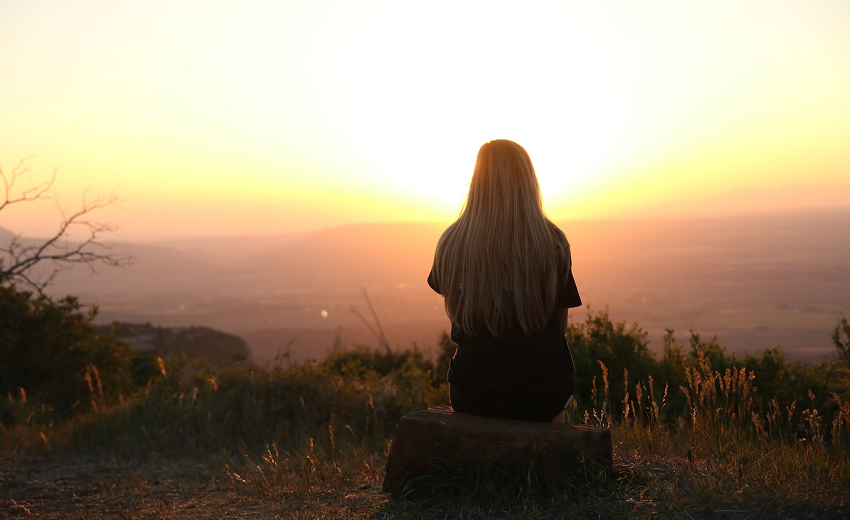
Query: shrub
<point x="51" y="350"/>
<point x="603" y="349"/>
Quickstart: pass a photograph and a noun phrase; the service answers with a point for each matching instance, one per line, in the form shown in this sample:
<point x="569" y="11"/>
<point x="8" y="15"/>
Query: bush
<point x="612" y="359"/>
<point x="52" y="353"/>
<point x="362" y="361"/>
<point x="602" y="351"/>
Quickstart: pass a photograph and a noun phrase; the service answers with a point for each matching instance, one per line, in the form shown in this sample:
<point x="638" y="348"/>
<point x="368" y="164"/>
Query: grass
<point x="311" y="441"/>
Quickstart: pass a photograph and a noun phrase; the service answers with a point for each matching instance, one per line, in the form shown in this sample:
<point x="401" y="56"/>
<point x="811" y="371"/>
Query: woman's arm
<point x="562" y="318"/>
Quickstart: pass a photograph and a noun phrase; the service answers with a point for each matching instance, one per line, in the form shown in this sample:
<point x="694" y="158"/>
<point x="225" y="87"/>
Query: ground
<point x="103" y="487"/>
<point x="154" y="487"/>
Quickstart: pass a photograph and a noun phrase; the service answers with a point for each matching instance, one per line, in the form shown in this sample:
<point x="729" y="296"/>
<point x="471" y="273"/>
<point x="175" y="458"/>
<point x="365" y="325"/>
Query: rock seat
<point x="479" y="443"/>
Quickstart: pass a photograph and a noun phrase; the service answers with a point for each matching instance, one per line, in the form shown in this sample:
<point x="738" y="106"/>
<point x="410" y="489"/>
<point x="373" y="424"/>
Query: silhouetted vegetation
<point x="613" y="354"/>
<point x="60" y="365"/>
<point x="54" y="360"/>
<point x="35" y="263"/>
<point x="693" y="426"/>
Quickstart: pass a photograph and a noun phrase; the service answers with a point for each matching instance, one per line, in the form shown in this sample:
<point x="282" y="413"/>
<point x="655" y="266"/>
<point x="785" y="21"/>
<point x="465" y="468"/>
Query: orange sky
<point x="264" y="117"/>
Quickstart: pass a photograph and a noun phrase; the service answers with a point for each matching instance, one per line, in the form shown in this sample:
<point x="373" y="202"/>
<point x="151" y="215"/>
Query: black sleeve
<point x="567" y="290"/>
<point x="431" y="283"/>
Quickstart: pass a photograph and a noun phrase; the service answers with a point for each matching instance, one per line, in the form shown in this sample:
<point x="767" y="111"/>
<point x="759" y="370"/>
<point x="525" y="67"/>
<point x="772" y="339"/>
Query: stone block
<point x="478" y="443"/>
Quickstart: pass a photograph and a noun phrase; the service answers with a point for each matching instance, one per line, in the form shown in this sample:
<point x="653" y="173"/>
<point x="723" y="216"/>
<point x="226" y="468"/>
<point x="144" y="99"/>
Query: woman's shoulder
<point x="448" y="236"/>
<point x="559" y="236"/>
<point x="449" y="230"/>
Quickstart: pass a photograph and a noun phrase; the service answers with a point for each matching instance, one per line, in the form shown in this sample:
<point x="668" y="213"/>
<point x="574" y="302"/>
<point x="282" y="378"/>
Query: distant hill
<point x="219" y="348"/>
<point x="5" y="235"/>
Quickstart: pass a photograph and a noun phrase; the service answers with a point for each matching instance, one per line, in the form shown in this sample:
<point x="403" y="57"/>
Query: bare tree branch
<point x="24" y="260"/>
<point x="379" y="333"/>
<point x="34" y="192"/>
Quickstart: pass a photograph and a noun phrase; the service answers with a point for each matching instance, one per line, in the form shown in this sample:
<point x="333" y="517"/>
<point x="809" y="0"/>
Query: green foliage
<point x="363" y="361"/>
<point x="604" y="350"/>
<point x="785" y="382"/>
<point x="672" y="373"/>
<point x="613" y="361"/>
<point x="51" y="351"/>
<point x="714" y="353"/>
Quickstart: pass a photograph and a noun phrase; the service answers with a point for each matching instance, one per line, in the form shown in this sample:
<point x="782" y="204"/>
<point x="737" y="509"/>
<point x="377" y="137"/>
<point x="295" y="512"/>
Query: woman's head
<point x="503" y="181"/>
<point x="502" y="251"/>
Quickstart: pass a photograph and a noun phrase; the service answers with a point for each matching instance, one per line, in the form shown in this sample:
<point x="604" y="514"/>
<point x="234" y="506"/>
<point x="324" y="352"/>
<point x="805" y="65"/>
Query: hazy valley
<point x="753" y="281"/>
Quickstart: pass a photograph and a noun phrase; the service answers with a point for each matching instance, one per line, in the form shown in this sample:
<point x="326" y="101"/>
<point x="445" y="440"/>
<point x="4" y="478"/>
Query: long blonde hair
<point x="501" y="257"/>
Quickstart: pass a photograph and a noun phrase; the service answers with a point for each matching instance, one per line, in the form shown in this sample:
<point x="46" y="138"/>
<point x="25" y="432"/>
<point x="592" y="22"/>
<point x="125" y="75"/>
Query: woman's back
<point x="505" y="270"/>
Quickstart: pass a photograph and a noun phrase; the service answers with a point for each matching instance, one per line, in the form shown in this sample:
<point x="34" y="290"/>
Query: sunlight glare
<point x="418" y="111"/>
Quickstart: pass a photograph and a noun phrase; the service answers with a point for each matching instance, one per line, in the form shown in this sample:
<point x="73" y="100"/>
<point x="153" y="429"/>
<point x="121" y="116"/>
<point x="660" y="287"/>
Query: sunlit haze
<point x="221" y="118"/>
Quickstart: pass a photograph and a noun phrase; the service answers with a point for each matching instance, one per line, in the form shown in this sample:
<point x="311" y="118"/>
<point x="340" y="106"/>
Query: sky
<point x="215" y="118"/>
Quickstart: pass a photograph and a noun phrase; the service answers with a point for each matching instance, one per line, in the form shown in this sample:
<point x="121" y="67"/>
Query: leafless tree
<point x="36" y="263"/>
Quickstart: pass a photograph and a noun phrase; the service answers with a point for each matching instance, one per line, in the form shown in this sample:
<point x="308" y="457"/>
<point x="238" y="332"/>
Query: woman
<point x="505" y="272"/>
